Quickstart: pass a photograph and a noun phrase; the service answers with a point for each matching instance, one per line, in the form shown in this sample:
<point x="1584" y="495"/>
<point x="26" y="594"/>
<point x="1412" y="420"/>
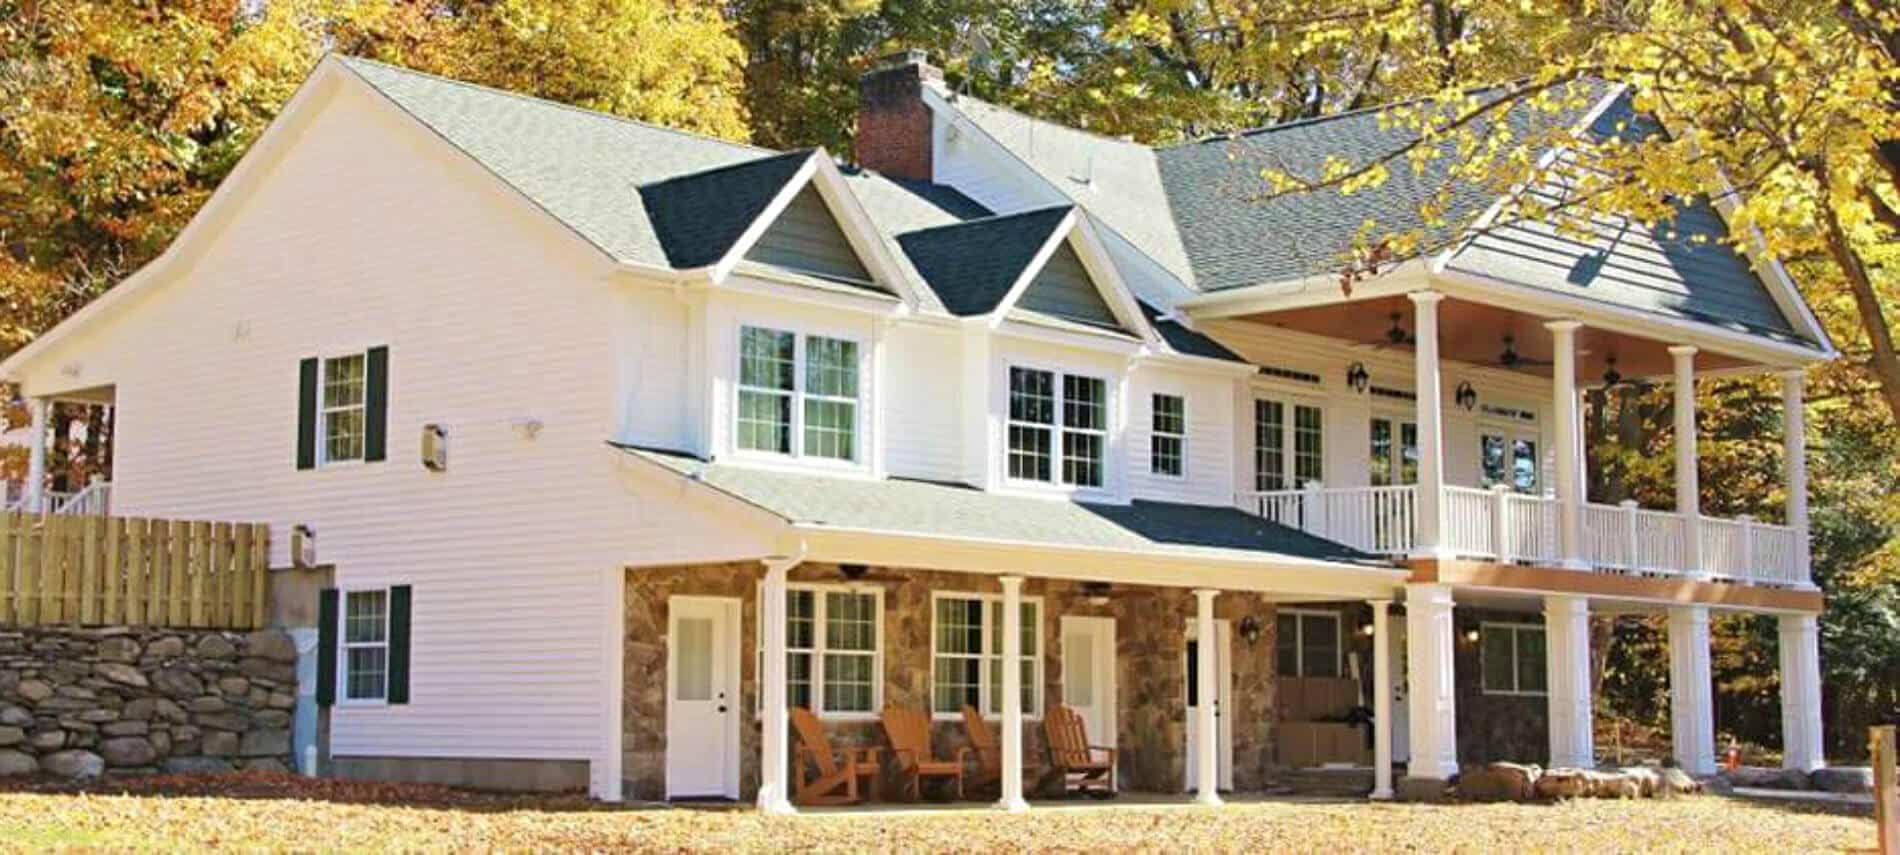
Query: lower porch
<point x="861" y="638"/>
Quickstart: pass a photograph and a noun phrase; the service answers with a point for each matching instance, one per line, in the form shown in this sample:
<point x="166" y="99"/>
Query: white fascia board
<point x="762" y="281"/>
<point x="1057" y="236"/>
<point x="1540" y="301"/>
<point x="1177" y="361"/>
<point x="1304" y="292"/>
<point x="1162" y="568"/>
<point x="1104" y="342"/>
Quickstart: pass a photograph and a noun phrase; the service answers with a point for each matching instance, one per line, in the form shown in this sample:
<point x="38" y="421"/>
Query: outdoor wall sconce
<point x="1357" y="377"/>
<point x="526" y="427"/>
<point x="303" y="547"/>
<point x="435" y="448"/>
<point x="1250" y="629"/>
<point x="1466" y="396"/>
<point x="1471" y="635"/>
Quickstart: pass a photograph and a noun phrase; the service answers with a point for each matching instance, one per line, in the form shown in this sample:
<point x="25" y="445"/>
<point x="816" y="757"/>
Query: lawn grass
<point x="277" y="813"/>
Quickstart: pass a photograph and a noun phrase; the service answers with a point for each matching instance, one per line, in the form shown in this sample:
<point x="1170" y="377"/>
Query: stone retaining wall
<point x="1151" y="643"/>
<point x="85" y="702"/>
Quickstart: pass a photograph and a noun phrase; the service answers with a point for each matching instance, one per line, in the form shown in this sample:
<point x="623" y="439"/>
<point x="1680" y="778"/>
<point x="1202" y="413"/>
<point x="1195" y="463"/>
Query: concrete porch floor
<point x="1141" y="801"/>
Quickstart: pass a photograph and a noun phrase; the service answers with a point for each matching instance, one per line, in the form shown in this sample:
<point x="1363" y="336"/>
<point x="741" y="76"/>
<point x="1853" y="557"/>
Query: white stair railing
<point x="91" y="501"/>
<point x="1378" y="520"/>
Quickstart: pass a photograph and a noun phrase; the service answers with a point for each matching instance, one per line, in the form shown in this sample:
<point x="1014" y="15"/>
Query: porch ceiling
<point x="1474" y="333"/>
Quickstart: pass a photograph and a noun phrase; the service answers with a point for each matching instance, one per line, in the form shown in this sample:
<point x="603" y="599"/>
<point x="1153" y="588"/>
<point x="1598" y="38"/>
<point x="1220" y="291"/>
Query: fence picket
<point x="9" y="551"/>
<point x="93" y="570"/>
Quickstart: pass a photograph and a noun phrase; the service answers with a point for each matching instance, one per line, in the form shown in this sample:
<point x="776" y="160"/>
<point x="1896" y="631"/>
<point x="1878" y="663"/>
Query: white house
<point x="604" y="426"/>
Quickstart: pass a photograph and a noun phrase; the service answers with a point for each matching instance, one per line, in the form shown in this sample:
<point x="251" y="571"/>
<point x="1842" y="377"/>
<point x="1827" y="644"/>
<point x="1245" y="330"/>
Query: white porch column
<point x="1801" y="693"/>
<point x="1012" y="702"/>
<point x="774" y="781"/>
<point x="1381" y="700"/>
<point x="1431" y="683"/>
<point x="1795" y="462"/>
<point x="1691" y="690"/>
<point x="1207" y="748"/>
<point x="1567" y="669"/>
<point x="1431" y="446"/>
<point x="35" y="495"/>
<point x="1563" y="369"/>
<point x="1688" y="482"/>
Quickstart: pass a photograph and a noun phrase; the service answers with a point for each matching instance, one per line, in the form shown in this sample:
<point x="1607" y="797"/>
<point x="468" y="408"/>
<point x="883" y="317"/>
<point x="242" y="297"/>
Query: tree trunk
<point x="1884" y="362"/>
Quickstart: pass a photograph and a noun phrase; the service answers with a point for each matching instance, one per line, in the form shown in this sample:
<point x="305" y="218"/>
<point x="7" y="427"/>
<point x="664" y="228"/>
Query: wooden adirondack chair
<point x="909" y="733"/>
<point x="1084" y="767"/>
<point x="989" y="755"/>
<point x="838" y="773"/>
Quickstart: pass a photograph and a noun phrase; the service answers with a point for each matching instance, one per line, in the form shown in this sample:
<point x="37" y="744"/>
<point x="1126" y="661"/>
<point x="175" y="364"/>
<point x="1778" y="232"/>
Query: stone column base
<point x="1412" y="789"/>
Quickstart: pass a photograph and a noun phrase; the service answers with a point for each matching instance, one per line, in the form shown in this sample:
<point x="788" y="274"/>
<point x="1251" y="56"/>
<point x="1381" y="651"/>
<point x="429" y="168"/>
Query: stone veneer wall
<point x="84" y="702"/>
<point x="1511" y="728"/>
<point x="1151" y="641"/>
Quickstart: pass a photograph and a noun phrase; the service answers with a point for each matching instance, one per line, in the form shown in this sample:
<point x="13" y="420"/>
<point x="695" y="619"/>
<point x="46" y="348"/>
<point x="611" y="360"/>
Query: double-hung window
<point x="1167" y="441"/>
<point x="833" y="649"/>
<point x="1307" y="643"/>
<point x="345" y="404"/>
<point x="1289" y="444"/>
<point x="967" y="654"/>
<point x="366" y="645"/>
<point x="1513" y="655"/>
<point x="1045" y="405"/>
<point x="798" y="395"/>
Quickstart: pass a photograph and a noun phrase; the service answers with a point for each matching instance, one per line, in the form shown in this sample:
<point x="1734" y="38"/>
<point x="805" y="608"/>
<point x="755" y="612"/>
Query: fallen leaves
<point x="267" y="812"/>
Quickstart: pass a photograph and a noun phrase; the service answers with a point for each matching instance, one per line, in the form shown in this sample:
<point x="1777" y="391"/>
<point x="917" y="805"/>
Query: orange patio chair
<point x="827" y="776"/>
<point x="909" y="733"/>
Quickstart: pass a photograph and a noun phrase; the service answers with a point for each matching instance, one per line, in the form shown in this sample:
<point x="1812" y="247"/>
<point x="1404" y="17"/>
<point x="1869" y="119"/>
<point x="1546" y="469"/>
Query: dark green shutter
<point x="326" y="646"/>
<point x="307" y="414"/>
<point x="399" y="644"/>
<point x="376" y="405"/>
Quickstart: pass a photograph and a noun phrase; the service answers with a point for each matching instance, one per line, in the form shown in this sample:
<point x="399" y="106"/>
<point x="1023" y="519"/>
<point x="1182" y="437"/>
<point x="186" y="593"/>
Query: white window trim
<point x="819" y="649"/>
<point x="343" y="646"/>
<point x="1289" y="442"/>
<point x="324" y="460"/>
<point x="1057" y="428"/>
<point x="1153" y="433"/>
<point x="1513" y="628"/>
<point x="992" y="605"/>
<point x="798" y="396"/>
<point x="1299" y="643"/>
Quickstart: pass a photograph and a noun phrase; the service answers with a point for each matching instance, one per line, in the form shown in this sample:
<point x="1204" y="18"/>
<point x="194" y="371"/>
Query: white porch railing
<point x="91" y="501"/>
<point x="1503" y="525"/>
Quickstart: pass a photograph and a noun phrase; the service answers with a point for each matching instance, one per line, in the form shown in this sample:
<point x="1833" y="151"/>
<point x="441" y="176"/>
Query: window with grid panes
<point x="365" y="645"/>
<point x="967" y="654"/>
<point x="345" y="397"/>
<point x="1058" y="425"/>
<point x="1275" y="434"/>
<point x="831" y="649"/>
<point x="1167" y="443"/>
<point x="778" y="400"/>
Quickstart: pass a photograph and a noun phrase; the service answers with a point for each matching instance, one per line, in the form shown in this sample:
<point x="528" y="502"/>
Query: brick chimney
<point x="893" y="123"/>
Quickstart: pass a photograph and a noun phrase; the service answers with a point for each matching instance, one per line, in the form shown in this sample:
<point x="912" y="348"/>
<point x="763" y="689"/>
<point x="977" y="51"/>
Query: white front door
<point x="702" y="691"/>
<point x="1088" y="674"/>
<point x="1224" y="689"/>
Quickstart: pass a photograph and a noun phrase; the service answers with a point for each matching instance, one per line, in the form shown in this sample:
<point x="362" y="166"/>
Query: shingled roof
<point x="698" y="217"/>
<point x="972" y="265"/>
<point x="932" y="509"/>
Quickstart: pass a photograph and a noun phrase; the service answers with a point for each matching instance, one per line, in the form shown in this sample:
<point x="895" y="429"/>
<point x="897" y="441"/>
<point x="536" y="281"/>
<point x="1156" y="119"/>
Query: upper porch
<point x="1520" y="495"/>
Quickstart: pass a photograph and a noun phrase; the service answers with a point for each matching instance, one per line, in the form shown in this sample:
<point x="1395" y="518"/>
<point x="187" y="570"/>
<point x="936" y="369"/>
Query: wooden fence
<point x="96" y="570"/>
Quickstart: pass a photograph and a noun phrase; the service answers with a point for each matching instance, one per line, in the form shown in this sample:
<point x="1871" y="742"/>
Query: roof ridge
<point x="955" y="98"/>
<point x="794" y="154"/>
<point x="1229" y="136"/>
<point x="348" y="59"/>
<point x="1060" y="206"/>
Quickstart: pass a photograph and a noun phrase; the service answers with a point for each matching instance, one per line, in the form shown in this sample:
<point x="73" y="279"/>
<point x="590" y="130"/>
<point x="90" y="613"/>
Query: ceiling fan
<point x="1396" y="336"/>
<point x="1510" y="358"/>
<point x="864" y="573"/>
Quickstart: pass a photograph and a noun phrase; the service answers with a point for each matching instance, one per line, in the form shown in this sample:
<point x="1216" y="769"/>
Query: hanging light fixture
<point x="1466" y="396"/>
<point x="1611" y="376"/>
<point x="1357" y="377"/>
